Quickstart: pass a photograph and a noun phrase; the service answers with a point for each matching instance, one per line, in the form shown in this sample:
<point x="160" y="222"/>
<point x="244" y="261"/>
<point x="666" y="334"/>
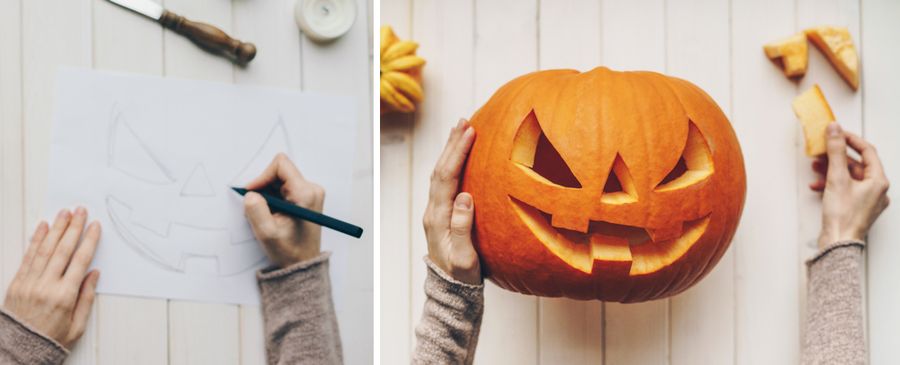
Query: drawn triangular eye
<point x="131" y="156"/>
<point x="532" y="149"/>
<point x="695" y="164"/>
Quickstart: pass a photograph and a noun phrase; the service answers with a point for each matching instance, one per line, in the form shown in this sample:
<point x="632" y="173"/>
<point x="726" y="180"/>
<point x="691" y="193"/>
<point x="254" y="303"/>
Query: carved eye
<point x="130" y="155"/>
<point x="694" y="165"/>
<point x="535" y="155"/>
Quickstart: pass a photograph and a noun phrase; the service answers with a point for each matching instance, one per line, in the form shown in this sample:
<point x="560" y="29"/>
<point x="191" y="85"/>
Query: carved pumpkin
<point x="619" y="186"/>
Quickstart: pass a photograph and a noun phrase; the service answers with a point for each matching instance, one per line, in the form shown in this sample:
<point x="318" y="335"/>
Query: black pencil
<point x="286" y="207"/>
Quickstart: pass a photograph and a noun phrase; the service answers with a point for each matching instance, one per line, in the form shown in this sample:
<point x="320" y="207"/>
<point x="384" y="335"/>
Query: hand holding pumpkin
<point x="53" y="291"/>
<point x="855" y="192"/>
<point x="449" y="216"/>
<point x="285" y="239"/>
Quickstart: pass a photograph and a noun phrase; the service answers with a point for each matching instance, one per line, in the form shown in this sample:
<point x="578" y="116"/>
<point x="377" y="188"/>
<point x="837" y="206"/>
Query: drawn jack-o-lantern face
<point x="619" y="186"/>
<point x="184" y="219"/>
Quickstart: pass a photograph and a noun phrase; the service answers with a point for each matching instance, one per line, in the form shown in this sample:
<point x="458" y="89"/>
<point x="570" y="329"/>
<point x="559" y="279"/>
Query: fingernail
<point x="834" y="129"/>
<point x="79" y="211"/>
<point x="63" y="214"/>
<point x="461" y="122"/>
<point x="469" y="131"/>
<point x="464" y="201"/>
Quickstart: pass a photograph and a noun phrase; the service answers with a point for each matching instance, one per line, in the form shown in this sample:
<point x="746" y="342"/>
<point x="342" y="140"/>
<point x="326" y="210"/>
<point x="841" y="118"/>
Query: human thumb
<point x="259" y="215"/>
<point x="461" y="219"/>
<point x="837" y="154"/>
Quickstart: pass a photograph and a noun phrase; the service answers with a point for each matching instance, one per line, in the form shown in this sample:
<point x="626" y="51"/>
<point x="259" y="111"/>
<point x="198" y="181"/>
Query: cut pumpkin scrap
<point x="792" y="53"/>
<point x="837" y="45"/>
<point x="814" y="113"/>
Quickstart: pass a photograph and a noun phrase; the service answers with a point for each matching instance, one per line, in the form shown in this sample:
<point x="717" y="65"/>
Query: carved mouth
<point x="610" y="242"/>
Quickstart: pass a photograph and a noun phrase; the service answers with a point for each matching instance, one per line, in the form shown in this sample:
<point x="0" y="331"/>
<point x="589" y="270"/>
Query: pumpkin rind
<point x="639" y="122"/>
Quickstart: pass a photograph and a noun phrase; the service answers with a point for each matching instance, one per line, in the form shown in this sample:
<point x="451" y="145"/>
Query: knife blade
<point x="203" y="35"/>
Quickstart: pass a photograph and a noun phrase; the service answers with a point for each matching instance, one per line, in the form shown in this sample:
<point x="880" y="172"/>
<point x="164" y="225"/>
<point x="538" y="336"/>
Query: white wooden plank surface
<point x="569" y="331"/>
<point x="201" y="333"/>
<point x="505" y="30"/>
<point x="396" y="147"/>
<point x="880" y="57"/>
<point x="54" y="33"/>
<point x="697" y="44"/>
<point x="766" y="245"/>
<point x="343" y="67"/>
<point x="634" y="39"/>
<point x="445" y="31"/>
<point x="12" y="189"/>
<point x="140" y="52"/>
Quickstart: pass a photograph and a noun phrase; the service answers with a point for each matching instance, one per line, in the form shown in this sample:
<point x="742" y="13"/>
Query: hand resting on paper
<point x="53" y="291"/>
<point x="285" y="239"/>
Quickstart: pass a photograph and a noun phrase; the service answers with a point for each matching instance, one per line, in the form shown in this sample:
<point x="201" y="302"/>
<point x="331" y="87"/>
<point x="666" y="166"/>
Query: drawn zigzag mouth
<point x="606" y="241"/>
<point x="181" y="242"/>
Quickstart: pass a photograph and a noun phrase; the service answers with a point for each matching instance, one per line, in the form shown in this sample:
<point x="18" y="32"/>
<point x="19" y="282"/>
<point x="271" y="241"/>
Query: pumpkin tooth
<point x="666" y="233"/>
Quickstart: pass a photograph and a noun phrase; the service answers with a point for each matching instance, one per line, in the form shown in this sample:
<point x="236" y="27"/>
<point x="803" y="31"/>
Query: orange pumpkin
<point x="619" y="186"/>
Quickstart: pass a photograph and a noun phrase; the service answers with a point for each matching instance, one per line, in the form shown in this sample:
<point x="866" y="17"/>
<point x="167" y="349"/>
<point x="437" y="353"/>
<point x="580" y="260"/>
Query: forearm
<point x="834" y="323"/>
<point x="20" y="344"/>
<point x="298" y="313"/>
<point x="451" y="321"/>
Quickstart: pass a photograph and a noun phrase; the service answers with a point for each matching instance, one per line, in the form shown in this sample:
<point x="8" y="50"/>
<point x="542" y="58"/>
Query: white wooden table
<point x="749" y="310"/>
<point x="38" y="36"/>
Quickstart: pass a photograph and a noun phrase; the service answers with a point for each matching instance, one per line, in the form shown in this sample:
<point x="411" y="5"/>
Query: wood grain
<point x="880" y="57"/>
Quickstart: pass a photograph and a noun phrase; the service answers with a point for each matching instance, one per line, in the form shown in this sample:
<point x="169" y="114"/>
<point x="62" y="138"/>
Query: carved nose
<point x="198" y="184"/>
<point x="571" y="222"/>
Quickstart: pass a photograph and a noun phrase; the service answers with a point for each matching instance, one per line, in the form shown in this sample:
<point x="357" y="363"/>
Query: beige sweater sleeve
<point x="448" y="331"/>
<point x="298" y="314"/>
<point x="20" y="344"/>
<point x="834" y="319"/>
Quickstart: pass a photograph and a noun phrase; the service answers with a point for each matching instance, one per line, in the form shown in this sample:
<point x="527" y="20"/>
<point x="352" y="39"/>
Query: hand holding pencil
<point x="285" y="239"/>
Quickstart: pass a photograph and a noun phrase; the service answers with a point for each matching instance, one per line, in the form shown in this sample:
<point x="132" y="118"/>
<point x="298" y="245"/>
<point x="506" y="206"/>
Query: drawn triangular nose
<point x="198" y="184"/>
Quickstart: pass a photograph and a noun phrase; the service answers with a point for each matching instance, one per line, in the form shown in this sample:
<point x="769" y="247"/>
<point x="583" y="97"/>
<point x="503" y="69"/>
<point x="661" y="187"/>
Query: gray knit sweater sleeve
<point x="20" y="344"/>
<point x="298" y="314"/>
<point x="451" y="321"/>
<point x="834" y="320"/>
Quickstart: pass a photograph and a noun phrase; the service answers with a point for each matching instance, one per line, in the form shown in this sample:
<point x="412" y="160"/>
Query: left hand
<point x="53" y="291"/>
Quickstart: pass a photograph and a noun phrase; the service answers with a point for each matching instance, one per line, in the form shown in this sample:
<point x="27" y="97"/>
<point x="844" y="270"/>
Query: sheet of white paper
<point x="153" y="159"/>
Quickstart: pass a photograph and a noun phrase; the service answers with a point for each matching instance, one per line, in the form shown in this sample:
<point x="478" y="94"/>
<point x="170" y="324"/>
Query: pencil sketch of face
<point x="192" y="196"/>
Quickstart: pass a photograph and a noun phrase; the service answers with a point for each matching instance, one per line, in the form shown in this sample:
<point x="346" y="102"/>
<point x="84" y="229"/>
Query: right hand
<point x="286" y="240"/>
<point x="855" y="192"/>
<point x="53" y="291"/>
<point x="449" y="216"/>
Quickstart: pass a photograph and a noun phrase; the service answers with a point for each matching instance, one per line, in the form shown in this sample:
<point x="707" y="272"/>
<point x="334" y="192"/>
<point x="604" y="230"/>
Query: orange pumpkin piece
<point x="618" y="186"/>
<point x="815" y="114"/>
<point x="837" y="45"/>
<point x="792" y="53"/>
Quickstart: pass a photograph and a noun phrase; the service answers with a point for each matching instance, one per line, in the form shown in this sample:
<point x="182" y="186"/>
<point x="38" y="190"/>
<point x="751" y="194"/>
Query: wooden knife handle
<point x="209" y="37"/>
